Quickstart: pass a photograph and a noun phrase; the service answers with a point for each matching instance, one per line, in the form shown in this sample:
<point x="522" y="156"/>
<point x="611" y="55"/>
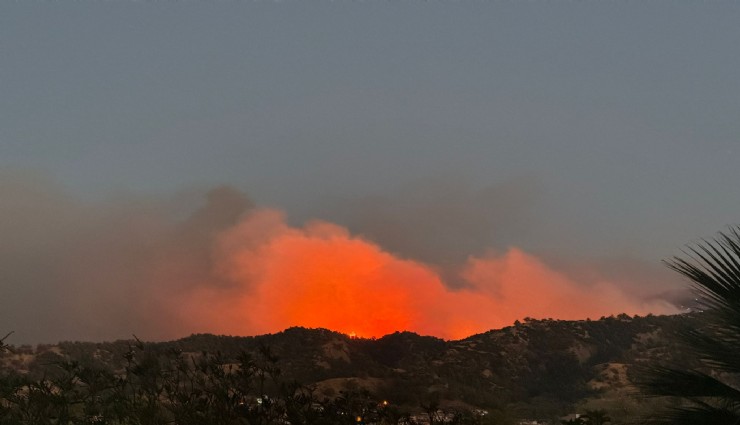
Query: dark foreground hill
<point x="538" y="369"/>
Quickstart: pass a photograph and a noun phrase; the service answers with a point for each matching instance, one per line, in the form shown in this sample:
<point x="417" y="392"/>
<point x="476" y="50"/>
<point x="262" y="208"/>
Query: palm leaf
<point x="713" y="268"/>
<point x="715" y="349"/>
<point x="698" y="415"/>
<point x="665" y="381"/>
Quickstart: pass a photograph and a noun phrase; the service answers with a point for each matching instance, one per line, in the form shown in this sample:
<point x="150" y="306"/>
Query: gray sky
<point x="571" y="130"/>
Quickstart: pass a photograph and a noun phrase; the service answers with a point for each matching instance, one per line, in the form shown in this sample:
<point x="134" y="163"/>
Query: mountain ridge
<point x="533" y="368"/>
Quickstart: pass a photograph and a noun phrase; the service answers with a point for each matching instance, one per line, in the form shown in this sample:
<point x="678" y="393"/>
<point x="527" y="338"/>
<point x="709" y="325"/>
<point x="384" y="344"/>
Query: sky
<point x="151" y="152"/>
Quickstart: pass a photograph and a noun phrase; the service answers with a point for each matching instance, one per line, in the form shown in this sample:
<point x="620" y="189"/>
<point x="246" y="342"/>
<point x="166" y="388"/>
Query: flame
<point x="322" y="276"/>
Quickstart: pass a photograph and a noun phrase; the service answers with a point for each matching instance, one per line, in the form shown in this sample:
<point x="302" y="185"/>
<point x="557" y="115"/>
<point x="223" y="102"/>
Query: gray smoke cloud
<point x="92" y="271"/>
<point x="445" y="221"/>
<point x="442" y="221"/>
<point x="72" y="269"/>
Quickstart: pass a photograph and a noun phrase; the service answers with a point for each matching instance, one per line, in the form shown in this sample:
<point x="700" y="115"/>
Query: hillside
<point x="537" y="369"/>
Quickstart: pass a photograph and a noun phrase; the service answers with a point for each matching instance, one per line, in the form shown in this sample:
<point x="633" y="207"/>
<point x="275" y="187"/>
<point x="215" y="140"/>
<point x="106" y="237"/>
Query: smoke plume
<point x="103" y="270"/>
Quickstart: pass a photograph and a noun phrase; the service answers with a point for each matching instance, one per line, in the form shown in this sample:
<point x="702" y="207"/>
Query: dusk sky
<point x="449" y="140"/>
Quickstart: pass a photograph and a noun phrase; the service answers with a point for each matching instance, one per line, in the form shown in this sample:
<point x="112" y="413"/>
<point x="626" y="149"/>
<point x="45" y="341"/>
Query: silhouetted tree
<point x="707" y="395"/>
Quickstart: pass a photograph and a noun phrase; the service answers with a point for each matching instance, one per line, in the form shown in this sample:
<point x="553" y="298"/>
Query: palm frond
<point x="715" y="348"/>
<point x="696" y="415"/>
<point x="665" y="381"/>
<point x="713" y="267"/>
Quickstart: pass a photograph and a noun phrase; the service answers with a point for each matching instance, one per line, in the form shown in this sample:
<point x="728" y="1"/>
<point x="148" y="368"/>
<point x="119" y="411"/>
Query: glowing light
<point x="320" y="276"/>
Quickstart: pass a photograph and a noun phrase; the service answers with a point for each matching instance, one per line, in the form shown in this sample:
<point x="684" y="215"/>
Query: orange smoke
<point x="322" y="276"/>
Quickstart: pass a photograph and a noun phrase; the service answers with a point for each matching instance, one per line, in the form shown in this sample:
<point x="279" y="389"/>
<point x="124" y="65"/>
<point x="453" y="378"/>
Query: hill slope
<point x="539" y="368"/>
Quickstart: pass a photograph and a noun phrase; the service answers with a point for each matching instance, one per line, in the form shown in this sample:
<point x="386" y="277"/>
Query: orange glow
<point x="320" y="276"/>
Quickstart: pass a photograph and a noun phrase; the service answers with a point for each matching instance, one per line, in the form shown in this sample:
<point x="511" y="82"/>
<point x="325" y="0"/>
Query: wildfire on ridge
<point x="320" y="276"/>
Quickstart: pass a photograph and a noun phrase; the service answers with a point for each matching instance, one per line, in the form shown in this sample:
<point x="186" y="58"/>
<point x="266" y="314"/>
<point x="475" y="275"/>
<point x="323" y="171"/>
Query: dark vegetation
<point x="161" y="384"/>
<point x="536" y="370"/>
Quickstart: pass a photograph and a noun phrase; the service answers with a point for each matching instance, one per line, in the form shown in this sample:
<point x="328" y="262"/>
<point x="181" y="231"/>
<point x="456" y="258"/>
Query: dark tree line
<point x="163" y="387"/>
